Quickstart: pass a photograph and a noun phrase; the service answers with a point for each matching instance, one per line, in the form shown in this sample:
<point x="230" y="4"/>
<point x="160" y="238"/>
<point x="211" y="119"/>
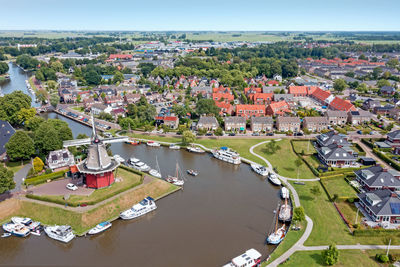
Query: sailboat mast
<point x="276" y="221"/>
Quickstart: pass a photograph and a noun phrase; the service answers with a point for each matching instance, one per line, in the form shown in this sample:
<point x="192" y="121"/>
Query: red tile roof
<point x="298" y="90"/>
<point x="320" y="94"/>
<point x="225" y="96"/>
<point x="250" y="107"/>
<point x="167" y="118"/>
<point x="120" y="56"/>
<point x="341" y="104"/>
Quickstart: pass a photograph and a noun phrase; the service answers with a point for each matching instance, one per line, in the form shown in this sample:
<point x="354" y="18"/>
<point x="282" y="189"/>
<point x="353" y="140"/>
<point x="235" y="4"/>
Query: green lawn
<point x="81" y="109"/>
<point x="128" y="180"/>
<point x="312" y="160"/>
<point x="347" y="258"/>
<point x="284" y="161"/>
<point x="339" y="186"/>
<point x="304" y="146"/>
<point x="17" y="165"/>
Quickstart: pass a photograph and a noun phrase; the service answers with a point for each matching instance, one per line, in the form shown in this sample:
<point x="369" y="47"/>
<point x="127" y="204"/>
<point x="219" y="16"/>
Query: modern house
<point x="285" y="124"/>
<point x="381" y="205"/>
<point x="261" y="124"/>
<point x="336" y="117"/>
<point x="235" y="123"/>
<point x="393" y="140"/>
<point x="376" y="177"/>
<point x="208" y="123"/>
<point x="331" y="137"/>
<point x="60" y="159"/>
<point x="387" y="91"/>
<point x="315" y="124"/>
<point x="335" y="155"/>
<point x="6" y="131"/>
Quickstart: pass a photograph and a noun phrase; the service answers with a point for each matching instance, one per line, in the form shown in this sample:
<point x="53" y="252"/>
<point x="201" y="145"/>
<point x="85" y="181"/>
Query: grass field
<point x="339" y="186"/>
<point x="312" y="160"/>
<point x="348" y="258"/>
<point x="304" y="146"/>
<point x="284" y="161"/>
<point x="128" y="180"/>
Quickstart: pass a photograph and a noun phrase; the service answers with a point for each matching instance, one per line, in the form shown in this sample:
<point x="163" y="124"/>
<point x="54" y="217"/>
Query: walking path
<point x="20" y="176"/>
<point x="371" y="154"/>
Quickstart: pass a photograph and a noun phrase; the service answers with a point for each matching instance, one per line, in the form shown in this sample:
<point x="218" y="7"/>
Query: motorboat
<point x="133" y="161"/>
<point x="195" y="149"/>
<point x="133" y="142"/>
<point x="6" y="235"/>
<point x="274" y="179"/>
<point x="155" y="173"/>
<point x="153" y="144"/>
<point x="101" y="227"/>
<point x="251" y="258"/>
<point x="119" y="158"/>
<point x="259" y="169"/>
<point x="277" y="236"/>
<point x="142" y="166"/>
<point x="145" y="206"/>
<point x="61" y="233"/>
<point x="174" y="146"/>
<point x="192" y="172"/>
<point x="27" y="222"/>
<point x="175" y="180"/>
<point x="285" y="193"/>
<point x="227" y="154"/>
<point x="16" y="229"/>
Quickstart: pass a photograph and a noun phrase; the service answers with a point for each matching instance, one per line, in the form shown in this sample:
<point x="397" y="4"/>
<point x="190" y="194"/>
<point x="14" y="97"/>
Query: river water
<point x="222" y="212"/>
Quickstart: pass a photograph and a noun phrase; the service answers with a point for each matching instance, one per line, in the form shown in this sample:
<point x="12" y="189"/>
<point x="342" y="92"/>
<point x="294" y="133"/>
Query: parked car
<point x="255" y="134"/>
<point x="72" y="187"/>
<point x="359" y="132"/>
<point x="270" y="134"/>
<point x="231" y="134"/>
<point x="209" y="134"/>
<point x="298" y="134"/>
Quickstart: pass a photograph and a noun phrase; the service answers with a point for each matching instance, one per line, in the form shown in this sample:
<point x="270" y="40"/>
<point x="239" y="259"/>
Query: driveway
<point x="20" y="176"/>
<point x="59" y="188"/>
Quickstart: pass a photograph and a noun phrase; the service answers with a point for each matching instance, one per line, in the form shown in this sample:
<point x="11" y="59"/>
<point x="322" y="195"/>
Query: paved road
<point x="20" y="176"/>
<point x="371" y="154"/>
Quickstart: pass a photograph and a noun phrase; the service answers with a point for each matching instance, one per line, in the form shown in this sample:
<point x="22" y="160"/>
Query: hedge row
<point x="367" y="143"/>
<point x="375" y="232"/>
<point x="48" y="199"/>
<point x="131" y="169"/>
<point x="386" y="159"/>
<point x="43" y="178"/>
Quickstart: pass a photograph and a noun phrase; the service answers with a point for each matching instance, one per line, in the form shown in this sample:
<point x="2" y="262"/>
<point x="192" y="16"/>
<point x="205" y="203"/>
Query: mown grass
<point x="16" y="165"/>
<point x="304" y="146"/>
<point x="339" y="186"/>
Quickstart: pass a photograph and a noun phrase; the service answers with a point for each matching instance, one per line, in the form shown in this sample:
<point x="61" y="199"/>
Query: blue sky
<point x="258" y="15"/>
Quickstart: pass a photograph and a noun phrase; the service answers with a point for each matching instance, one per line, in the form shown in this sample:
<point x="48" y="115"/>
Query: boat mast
<point x="276" y="221"/>
<point x="158" y="166"/>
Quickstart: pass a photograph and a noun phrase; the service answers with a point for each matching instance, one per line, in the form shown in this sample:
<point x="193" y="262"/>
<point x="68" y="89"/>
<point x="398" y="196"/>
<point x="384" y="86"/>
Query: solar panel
<point x="395" y="207"/>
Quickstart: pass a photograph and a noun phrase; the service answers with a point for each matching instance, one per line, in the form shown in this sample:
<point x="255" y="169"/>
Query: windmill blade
<point x="76" y="142"/>
<point x="115" y="140"/>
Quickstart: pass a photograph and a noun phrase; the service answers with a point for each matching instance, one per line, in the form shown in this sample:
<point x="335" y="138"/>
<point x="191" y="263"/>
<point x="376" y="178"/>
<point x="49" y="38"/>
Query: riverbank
<point x="81" y="219"/>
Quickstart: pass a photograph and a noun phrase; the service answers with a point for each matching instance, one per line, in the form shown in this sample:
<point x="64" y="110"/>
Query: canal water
<point x="17" y="82"/>
<point x="221" y="213"/>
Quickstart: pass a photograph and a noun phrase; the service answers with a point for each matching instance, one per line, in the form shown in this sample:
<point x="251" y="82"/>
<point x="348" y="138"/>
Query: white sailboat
<point x="175" y="179"/>
<point x="156" y="172"/>
<point x="276" y="236"/>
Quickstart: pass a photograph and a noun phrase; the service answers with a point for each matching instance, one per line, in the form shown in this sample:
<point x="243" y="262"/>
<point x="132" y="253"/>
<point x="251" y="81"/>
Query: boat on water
<point x="141" y="166"/>
<point x="145" y="206"/>
<point x="250" y="258"/>
<point x="133" y="142"/>
<point x="101" y="227"/>
<point x="227" y="154"/>
<point x="6" y="235"/>
<point x="175" y="180"/>
<point x="192" y="172"/>
<point x="276" y="236"/>
<point x="174" y="146"/>
<point x="16" y="229"/>
<point x="133" y="161"/>
<point x="153" y="144"/>
<point x="274" y="179"/>
<point x="259" y="169"/>
<point x="61" y="233"/>
<point x="285" y="212"/>
<point x="119" y="158"/>
<point x="195" y="149"/>
<point x="155" y="173"/>
<point x="27" y="222"/>
<point x="284" y="193"/>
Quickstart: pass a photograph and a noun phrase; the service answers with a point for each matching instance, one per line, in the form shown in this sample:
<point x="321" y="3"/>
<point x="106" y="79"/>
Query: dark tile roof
<point x="376" y="176"/>
<point x="6" y="131"/>
<point x="381" y="202"/>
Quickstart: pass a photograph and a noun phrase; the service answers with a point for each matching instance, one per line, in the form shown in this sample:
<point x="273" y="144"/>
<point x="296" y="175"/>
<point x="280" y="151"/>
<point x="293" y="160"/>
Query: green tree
<point x="25" y="114"/>
<point x="11" y="104"/>
<point x="33" y="123"/>
<point x="330" y="255"/>
<point x="272" y="147"/>
<point x="392" y="63"/>
<point x="315" y="190"/>
<point x="362" y="88"/>
<point x="207" y="106"/>
<point x="57" y="66"/>
<point x="218" y="131"/>
<point x="127" y="123"/>
<point x="20" y="146"/>
<point x="92" y="77"/>
<point x="299" y="214"/>
<point x="54" y="100"/>
<point x="118" y="77"/>
<point x="3" y="68"/>
<point x="339" y="85"/>
<point x="382" y="82"/>
<point x="6" y="179"/>
<point x="298" y="162"/>
<point x="46" y="139"/>
<point x="188" y="137"/>
<point x="38" y="164"/>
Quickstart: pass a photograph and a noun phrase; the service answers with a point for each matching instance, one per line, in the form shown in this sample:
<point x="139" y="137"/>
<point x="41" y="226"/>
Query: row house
<point x="381" y="205"/>
<point x="278" y="108"/>
<point x="376" y="177"/>
<point x="248" y="111"/>
<point x="284" y="124"/>
<point x="222" y="90"/>
<point x="383" y="110"/>
<point x="207" y="123"/>
<point x="224" y="108"/>
<point x="261" y="124"/>
<point x="114" y="101"/>
<point x="341" y="104"/>
<point x="169" y="121"/>
<point x="320" y="95"/>
<point x="262" y="98"/>
<point x="228" y="97"/>
<point x="235" y="123"/>
<point x="336" y="117"/>
<point x="252" y="90"/>
<point x="359" y="117"/>
<point x="298" y="91"/>
<point x="315" y="124"/>
<point x="288" y="98"/>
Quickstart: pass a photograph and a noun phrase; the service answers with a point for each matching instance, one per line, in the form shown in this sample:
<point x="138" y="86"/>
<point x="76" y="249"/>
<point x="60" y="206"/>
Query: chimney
<point x="384" y="170"/>
<point x="339" y="146"/>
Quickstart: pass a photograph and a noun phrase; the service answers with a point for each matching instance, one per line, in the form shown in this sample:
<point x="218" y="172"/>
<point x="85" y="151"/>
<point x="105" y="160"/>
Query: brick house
<point x="380" y="205"/>
<point x="315" y="124"/>
<point x="208" y="123"/>
<point x="262" y="98"/>
<point x="336" y="117"/>
<point x="225" y="108"/>
<point x="376" y="177"/>
<point x="228" y="97"/>
<point x="341" y="104"/>
<point x="261" y="124"/>
<point x="284" y="124"/>
<point x="169" y="121"/>
<point x="278" y="108"/>
<point x="235" y="123"/>
<point x="298" y="91"/>
<point x="359" y="117"/>
<point x="387" y="91"/>
<point x="249" y="111"/>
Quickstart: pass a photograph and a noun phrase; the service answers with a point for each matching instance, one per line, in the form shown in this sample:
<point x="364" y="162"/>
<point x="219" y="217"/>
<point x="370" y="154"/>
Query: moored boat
<point x="195" y="149"/>
<point x="274" y="179"/>
<point x="192" y="172"/>
<point x="27" y="222"/>
<point x="145" y="206"/>
<point x="285" y="212"/>
<point x="259" y="169"/>
<point x="101" y="227"/>
<point x="227" y="154"/>
<point x="174" y="146"/>
<point x="276" y="236"/>
<point x="141" y="166"/>
<point x="155" y="173"/>
<point x="16" y="229"/>
<point x="284" y="193"/>
<point x="250" y="258"/>
<point x="133" y="161"/>
<point x="133" y="142"/>
<point x="119" y="158"/>
<point x="61" y="233"/>
<point x="6" y="235"/>
<point x="175" y="180"/>
<point x="153" y="144"/>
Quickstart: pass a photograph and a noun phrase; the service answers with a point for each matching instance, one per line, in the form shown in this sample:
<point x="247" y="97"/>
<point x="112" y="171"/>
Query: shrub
<point x="38" y="164"/>
<point x="43" y="178"/>
<point x="299" y="214"/>
<point x="330" y="255"/>
<point x="382" y="258"/>
<point x="48" y="171"/>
